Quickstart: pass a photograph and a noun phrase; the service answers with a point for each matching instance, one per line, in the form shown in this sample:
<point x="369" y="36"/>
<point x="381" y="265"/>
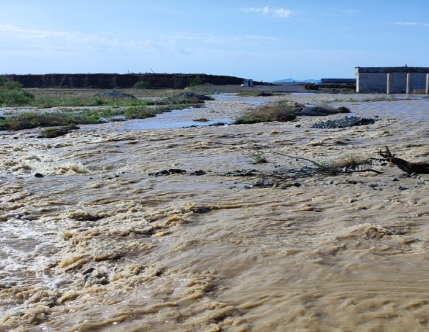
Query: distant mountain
<point x="291" y="80"/>
<point x="311" y="80"/>
<point x="285" y="80"/>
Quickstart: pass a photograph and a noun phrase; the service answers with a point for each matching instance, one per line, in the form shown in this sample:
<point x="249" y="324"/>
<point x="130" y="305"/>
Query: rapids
<point x="100" y="244"/>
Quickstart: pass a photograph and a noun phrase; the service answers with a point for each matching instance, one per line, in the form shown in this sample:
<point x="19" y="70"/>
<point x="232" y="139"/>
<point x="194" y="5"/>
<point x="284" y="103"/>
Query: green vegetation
<point x="142" y="85"/>
<point x="28" y="120"/>
<point x="104" y="108"/>
<point x="33" y="119"/>
<point x="57" y="131"/>
<point x="11" y="93"/>
<point x="259" y="158"/>
<point x="282" y="111"/>
<point x="85" y="100"/>
<point x="195" y="81"/>
<point x="326" y="164"/>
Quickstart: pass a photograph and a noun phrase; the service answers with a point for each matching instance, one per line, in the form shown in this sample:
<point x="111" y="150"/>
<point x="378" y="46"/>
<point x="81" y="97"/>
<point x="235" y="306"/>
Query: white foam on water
<point x="99" y="243"/>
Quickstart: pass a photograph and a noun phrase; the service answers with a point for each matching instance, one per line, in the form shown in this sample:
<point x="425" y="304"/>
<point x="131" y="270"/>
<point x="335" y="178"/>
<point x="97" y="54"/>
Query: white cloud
<point x="49" y="40"/>
<point x="412" y="23"/>
<point x="217" y="39"/>
<point x="279" y="12"/>
<point x="346" y="11"/>
<point x="33" y="33"/>
<point x="19" y="40"/>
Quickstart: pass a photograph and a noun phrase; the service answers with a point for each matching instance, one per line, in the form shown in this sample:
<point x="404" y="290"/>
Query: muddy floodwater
<point x="115" y="227"/>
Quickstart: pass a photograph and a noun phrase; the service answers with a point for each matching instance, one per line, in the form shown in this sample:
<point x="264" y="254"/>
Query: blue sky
<point x="263" y="40"/>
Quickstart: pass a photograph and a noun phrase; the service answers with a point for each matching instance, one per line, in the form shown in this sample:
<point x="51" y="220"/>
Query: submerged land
<point x="266" y="225"/>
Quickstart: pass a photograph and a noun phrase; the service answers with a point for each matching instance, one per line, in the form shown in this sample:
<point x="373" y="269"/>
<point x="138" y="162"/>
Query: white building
<point x="392" y="79"/>
<point x="247" y="82"/>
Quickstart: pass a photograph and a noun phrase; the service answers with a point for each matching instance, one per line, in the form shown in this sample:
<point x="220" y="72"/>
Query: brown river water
<point x="100" y="243"/>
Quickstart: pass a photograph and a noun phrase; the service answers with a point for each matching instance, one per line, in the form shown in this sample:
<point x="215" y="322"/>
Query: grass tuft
<point x="351" y="161"/>
<point x="259" y="158"/>
<point x="282" y="112"/>
<point x="52" y="132"/>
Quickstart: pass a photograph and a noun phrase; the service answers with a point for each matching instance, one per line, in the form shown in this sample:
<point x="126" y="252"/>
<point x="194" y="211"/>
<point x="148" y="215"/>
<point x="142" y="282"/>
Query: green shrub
<point x="142" y="85"/>
<point x="195" y="81"/>
<point x="11" y="94"/>
<point x="11" y="85"/>
<point x="3" y="80"/>
<point x="10" y="97"/>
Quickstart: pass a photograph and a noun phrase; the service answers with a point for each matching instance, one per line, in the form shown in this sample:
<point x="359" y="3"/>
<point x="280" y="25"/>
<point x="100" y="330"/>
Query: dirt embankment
<point x="110" y="81"/>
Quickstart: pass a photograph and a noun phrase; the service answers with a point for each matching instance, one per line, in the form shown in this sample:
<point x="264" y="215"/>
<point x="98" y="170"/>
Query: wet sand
<point x="99" y="244"/>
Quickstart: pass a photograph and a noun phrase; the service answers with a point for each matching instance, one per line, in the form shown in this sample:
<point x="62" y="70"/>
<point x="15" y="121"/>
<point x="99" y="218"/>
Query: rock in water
<point x="315" y="111"/>
<point x="348" y="121"/>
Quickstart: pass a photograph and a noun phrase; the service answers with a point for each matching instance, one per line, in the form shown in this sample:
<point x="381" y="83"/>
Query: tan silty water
<point x="99" y="244"/>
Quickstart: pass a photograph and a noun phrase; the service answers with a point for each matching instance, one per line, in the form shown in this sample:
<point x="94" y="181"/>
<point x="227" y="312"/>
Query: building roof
<point x="404" y="69"/>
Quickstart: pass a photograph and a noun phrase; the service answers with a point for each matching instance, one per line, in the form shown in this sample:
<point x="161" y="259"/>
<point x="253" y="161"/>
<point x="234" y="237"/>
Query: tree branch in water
<point x="406" y="166"/>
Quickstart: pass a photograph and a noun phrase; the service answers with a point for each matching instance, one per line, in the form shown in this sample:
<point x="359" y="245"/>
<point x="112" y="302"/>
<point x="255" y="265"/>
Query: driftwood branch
<point x="295" y="157"/>
<point x="406" y="166"/>
<point x="329" y="169"/>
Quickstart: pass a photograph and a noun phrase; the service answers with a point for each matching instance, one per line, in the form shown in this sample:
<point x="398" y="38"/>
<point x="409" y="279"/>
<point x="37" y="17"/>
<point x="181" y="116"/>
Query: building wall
<point x="113" y="81"/>
<point x="371" y="82"/>
<point x="374" y="79"/>
<point x="419" y="81"/>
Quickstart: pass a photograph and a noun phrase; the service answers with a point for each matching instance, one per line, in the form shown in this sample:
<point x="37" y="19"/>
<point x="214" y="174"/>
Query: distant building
<point x="392" y="79"/>
<point x="247" y="82"/>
